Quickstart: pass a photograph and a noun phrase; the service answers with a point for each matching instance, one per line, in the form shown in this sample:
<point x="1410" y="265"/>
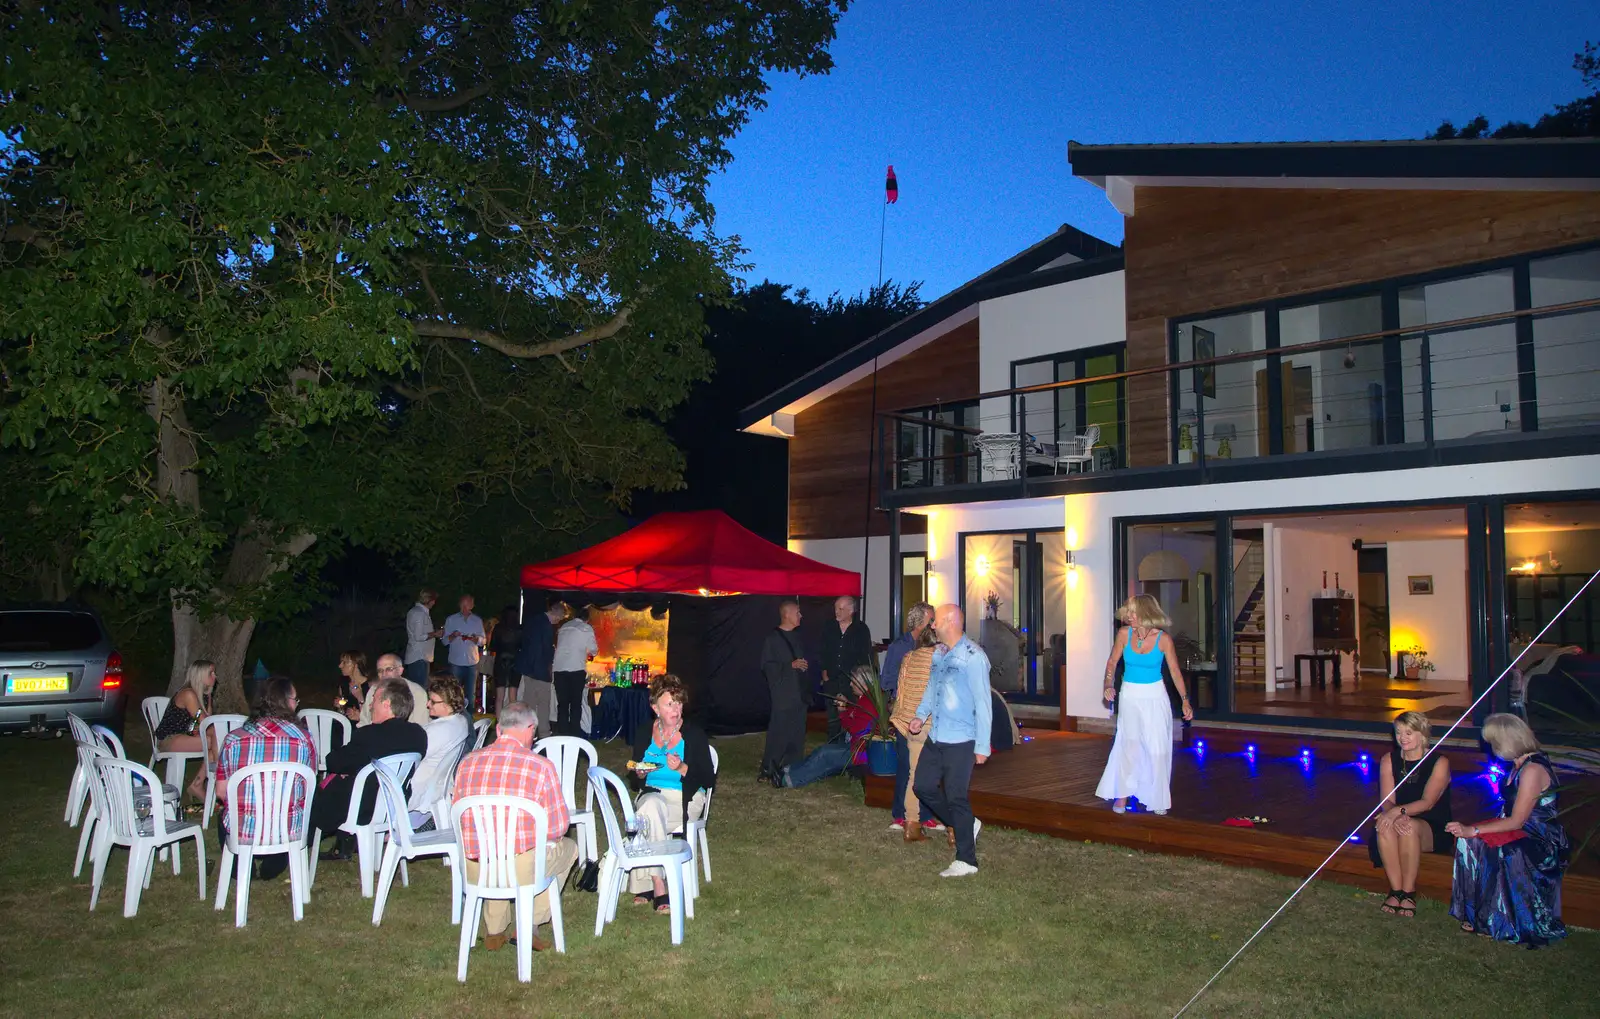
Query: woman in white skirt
<point x="1141" y="756"/>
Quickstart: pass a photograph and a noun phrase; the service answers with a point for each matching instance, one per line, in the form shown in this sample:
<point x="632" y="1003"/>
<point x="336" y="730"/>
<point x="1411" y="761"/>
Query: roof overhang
<point x="1539" y="164"/>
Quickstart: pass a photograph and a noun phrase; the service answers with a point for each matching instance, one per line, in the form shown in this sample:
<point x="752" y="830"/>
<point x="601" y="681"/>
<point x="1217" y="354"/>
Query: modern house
<point x="1337" y="405"/>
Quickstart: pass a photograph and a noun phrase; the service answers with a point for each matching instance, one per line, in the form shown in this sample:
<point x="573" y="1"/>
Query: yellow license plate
<point x="38" y="684"/>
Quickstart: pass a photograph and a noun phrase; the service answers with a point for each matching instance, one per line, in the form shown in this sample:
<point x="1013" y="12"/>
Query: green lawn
<point x="816" y="909"/>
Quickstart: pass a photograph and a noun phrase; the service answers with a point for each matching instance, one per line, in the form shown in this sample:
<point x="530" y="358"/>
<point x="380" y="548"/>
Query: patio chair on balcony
<point x="997" y="454"/>
<point x="1078" y="451"/>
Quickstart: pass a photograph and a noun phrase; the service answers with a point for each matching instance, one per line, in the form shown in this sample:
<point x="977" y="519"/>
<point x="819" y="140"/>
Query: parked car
<point x="54" y="659"/>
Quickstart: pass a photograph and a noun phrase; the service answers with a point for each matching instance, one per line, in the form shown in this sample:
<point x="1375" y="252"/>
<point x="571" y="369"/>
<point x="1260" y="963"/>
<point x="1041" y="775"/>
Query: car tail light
<point x="113" y="677"/>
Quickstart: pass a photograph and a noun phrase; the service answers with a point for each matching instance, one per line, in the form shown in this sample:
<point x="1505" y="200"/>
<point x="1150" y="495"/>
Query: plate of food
<point x="642" y="766"/>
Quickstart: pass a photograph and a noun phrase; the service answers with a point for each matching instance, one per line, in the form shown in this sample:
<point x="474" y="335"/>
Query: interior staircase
<point x="1249" y="624"/>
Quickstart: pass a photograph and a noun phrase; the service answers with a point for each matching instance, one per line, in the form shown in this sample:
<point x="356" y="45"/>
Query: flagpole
<point x="883" y="226"/>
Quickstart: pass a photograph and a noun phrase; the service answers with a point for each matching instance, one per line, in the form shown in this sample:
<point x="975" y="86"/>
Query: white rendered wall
<point x="846" y="553"/>
<point x="1090" y="312"/>
<point x="1089" y="519"/>
<point x="1435" y="620"/>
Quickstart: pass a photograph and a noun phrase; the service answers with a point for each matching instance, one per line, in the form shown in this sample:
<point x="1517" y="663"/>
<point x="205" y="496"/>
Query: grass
<point x="816" y="909"/>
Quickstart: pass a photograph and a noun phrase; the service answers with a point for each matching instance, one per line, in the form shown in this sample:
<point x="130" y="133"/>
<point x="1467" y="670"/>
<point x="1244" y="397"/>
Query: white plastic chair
<point x="623" y="855"/>
<point x="87" y="754"/>
<point x="214" y="728"/>
<point x="78" y="791"/>
<point x="176" y="761"/>
<point x="1078" y="451"/>
<point x="480" y="732"/>
<point x="567" y="754"/>
<point x="494" y="821"/>
<point x="143" y="831"/>
<point x="404" y="844"/>
<point x="319" y="724"/>
<point x="270" y="789"/>
<point x="695" y="832"/>
<point x="400" y="766"/>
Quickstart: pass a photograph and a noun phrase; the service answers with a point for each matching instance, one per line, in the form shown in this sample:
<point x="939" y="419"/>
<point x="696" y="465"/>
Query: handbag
<point x="1496" y="839"/>
<point x="586" y="876"/>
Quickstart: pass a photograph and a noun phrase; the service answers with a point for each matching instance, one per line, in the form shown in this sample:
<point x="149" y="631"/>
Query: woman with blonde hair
<point x="1416" y="812"/>
<point x="1140" y="765"/>
<point x="1507" y="879"/>
<point x="179" y="728"/>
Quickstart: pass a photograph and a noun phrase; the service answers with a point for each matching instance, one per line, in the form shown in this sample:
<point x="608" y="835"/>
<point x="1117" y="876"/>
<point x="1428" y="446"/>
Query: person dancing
<point x="1141" y="756"/>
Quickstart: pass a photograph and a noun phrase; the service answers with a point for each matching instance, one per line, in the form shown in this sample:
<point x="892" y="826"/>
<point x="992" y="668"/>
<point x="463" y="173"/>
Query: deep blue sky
<point x="974" y="102"/>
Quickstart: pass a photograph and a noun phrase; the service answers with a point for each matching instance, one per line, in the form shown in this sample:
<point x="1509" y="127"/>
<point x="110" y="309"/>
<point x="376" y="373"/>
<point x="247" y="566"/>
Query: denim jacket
<point x="957" y="697"/>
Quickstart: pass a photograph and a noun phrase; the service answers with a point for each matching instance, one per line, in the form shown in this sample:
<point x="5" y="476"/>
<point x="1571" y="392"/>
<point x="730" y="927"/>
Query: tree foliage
<point x="1578" y="119"/>
<point x="282" y="275"/>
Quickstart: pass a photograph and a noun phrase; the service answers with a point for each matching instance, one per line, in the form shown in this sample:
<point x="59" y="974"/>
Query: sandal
<point x="1401" y="909"/>
<point x="644" y="899"/>
<point x="663" y="904"/>
<point x="1394" y="909"/>
<point x="1467" y="928"/>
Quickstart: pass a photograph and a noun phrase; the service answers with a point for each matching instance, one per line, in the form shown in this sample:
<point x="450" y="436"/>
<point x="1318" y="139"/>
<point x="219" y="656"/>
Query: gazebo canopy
<point x="703" y="552"/>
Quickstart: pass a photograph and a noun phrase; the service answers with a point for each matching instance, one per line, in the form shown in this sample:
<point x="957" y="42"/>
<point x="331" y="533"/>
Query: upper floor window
<point x="1097" y="409"/>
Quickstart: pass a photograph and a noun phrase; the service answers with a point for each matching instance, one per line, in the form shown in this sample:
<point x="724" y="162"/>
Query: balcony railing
<point x="1480" y="379"/>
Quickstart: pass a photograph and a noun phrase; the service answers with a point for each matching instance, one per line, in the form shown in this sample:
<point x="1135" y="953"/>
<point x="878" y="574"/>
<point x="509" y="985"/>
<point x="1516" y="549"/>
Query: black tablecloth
<point x="622" y="709"/>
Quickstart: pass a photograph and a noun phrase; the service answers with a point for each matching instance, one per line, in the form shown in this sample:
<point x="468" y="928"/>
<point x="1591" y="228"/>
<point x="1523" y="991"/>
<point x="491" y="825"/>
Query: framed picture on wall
<point x="1205" y="348"/>
<point x="1420" y="585"/>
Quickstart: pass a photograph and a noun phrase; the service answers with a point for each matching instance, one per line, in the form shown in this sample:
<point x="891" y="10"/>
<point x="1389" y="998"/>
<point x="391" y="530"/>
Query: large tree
<point x="283" y="275"/>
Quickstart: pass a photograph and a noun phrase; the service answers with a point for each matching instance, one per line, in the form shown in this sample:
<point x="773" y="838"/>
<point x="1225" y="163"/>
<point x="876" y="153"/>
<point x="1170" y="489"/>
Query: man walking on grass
<point x="956" y="703"/>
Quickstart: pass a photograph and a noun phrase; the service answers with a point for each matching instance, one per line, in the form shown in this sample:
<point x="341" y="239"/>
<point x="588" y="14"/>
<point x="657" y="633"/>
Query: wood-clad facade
<point x="1192" y="250"/>
<point x="830" y="455"/>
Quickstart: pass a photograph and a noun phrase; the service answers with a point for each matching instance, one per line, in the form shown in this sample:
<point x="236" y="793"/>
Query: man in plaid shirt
<point x="509" y="767"/>
<point x="271" y="735"/>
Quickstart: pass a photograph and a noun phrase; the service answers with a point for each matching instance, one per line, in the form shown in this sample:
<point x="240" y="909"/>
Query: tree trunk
<point x="220" y="640"/>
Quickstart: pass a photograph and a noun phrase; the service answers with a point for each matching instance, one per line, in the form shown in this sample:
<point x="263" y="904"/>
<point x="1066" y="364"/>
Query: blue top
<point x="893" y="655"/>
<point x="663" y="777"/>
<point x="1141" y="666"/>
<point x="957" y="697"/>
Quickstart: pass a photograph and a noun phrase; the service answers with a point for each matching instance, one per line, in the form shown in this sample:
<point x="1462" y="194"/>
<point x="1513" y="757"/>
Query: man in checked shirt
<point x="509" y="767"/>
<point x="271" y="735"/>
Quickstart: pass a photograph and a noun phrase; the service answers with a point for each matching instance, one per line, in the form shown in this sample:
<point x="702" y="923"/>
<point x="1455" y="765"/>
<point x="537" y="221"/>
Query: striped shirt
<point x="914" y="669"/>
<point x="264" y="741"/>
<point x="507" y="768"/>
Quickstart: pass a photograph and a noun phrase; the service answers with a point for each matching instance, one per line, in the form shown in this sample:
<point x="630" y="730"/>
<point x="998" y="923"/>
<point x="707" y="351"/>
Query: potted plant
<point x="879" y="739"/>
<point x="1417" y="665"/>
<point x="1185" y="444"/>
<point x="991" y="605"/>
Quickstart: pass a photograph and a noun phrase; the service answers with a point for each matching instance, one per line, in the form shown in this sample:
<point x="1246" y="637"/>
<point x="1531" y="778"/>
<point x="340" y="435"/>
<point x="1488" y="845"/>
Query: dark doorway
<point x="1372" y="590"/>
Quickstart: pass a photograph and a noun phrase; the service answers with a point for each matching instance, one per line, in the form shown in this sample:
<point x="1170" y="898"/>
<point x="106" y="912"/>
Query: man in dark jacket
<point x="784" y="665"/>
<point x="846" y="646"/>
<point x="534" y="661"/>
<point x="391" y="732"/>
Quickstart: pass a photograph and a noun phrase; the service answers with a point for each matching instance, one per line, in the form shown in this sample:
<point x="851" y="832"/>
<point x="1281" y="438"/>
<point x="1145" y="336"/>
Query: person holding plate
<point x="673" y="758"/>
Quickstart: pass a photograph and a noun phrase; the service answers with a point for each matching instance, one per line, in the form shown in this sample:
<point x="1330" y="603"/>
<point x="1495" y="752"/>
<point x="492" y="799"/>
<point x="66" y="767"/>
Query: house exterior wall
<point x="1091" y="520"/>
<point x="1194" y="250"/>
<point x="830" y="455"/>
<point x="1076" y="315"/>
<point x="848" y="554"/>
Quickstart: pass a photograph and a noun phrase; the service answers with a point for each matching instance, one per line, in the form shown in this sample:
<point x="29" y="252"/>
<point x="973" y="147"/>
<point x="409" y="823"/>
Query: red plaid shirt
<point x="507" y="768"/>
<point x="263" y="741"/>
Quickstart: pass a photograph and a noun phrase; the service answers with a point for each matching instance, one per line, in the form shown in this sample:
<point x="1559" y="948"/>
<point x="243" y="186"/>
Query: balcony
<point x="1503" y="386"/>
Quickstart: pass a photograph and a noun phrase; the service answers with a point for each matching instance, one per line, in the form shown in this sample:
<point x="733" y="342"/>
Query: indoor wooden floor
<point x="1047" y="784"/>
<point x="1365" y="698"/>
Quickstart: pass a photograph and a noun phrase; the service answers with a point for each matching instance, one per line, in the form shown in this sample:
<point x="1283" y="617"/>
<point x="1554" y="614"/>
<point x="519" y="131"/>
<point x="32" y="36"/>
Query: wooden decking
<point x="1047" y="785"/>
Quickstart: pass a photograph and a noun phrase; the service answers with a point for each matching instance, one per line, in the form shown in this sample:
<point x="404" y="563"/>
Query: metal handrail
<point x="1309" y="347"/>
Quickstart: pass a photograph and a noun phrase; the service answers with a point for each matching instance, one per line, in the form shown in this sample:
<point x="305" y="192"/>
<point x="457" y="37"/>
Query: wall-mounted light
<point x="1072" y="568"/>
<point x="1072" y="541"/>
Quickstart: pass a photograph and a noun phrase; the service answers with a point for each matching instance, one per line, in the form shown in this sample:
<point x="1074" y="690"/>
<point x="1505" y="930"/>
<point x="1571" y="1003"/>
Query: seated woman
<point x="355" y="687"/>
<point x="677" y="772"/>
<point x="836" y="755"/>
<point x="1507" y="880"/>
<point x="448" y="728"/>
<point x="179" y="728"/>
<point x="1416" y="811"/>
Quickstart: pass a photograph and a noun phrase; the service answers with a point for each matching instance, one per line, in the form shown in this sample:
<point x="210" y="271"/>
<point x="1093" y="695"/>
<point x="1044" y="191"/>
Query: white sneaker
<point x="1118" y="810"/>
<point x="977" y="826"/>
<point x="897" y="826"/>
<point x="958" y="868"/>
<point x="1159" y="813"/>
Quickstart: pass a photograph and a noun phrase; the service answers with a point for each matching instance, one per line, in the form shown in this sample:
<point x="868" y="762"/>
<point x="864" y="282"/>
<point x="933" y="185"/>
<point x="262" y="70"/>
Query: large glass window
<point x="1014" y="585"/>
<point x="1566" y="348"/>
<point x="1222" y="409"/>
<point x="1472" y="373"/>
<point x="1060" y="415"/>
<point x="1176" y="563"/>
<point x="1552" y="548"/>
<point x="933" y="455"/>
<point x="1333" y="398"/>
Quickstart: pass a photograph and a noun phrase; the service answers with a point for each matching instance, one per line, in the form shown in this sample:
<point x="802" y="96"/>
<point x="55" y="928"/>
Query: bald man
<point x="390" y="670"/>
<point x="956" y="708"/>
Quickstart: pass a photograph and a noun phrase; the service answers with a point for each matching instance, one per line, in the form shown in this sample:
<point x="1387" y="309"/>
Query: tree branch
<point x="524" y="351"/>
<point x="445" y="104"/>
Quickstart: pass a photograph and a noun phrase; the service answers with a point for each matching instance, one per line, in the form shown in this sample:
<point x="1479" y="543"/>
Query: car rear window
<point x="47" y="631"/>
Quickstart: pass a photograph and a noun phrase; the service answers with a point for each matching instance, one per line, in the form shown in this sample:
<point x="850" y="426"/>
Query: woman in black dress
<point x="1416" y="810"/>
<point x="504" y="645"/>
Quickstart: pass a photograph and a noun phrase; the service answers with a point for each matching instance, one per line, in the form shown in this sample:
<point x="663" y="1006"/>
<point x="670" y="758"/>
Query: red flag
<point x="891" y="187"/>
